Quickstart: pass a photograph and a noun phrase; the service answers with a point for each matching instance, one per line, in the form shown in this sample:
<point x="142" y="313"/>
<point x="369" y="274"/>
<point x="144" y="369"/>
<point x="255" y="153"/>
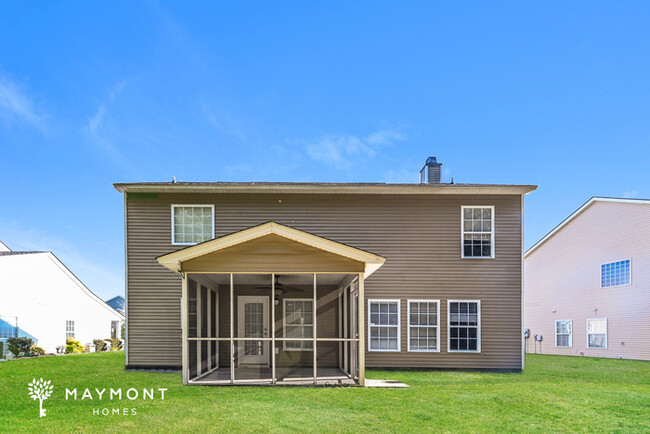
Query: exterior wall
<point x="419" y="235"/>
<point x="563" y="282"/>
<point x="41" y="292"/>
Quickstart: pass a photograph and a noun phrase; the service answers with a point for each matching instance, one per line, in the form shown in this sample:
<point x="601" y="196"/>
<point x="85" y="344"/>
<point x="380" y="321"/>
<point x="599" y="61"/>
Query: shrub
<point x="123" y="330"/>
<point x="72" y="346"/>
<point x="18" y="346"/>
<point x="100" y="345"/>
<point x="116" y="344"/>
<point x="37" y="351"/>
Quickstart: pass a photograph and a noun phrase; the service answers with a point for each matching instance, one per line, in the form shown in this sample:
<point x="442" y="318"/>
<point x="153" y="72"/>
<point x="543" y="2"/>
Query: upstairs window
<point x="69" y="329"/>
<point x="563" y="333"/>
<point x="192" y="224"/>
<point x="477" y="225"/>
<point x="615" y="274"/>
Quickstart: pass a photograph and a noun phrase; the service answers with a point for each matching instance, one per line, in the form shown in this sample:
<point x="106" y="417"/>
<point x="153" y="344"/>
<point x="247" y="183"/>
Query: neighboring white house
<point x="49" y="302"/>
<point x="587" y="283"/>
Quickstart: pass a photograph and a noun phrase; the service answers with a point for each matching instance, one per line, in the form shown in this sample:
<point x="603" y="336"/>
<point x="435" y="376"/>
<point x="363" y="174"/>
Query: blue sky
<point x="555" y="94"/>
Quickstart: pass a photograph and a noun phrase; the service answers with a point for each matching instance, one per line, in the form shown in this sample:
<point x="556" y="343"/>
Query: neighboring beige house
<point x="587" y="286"/>
<point x="310" y="283"/>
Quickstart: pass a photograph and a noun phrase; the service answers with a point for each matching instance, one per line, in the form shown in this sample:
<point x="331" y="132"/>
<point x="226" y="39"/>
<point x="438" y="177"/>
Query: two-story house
<point x="310" y="283"/>
<point x="587" y="290"/>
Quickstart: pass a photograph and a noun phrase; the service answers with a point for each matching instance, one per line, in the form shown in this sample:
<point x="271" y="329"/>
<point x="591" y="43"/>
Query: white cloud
<point x="341" y="151"/>
<point x="16" y="106"/>
<point x="631" y="194"/>
<point x="95" y="121"/>
<point x="225" y="123"/>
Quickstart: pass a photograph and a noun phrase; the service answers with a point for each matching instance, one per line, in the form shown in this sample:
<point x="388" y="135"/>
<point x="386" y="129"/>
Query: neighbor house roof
<point x="320" y="187"/>
<point x="67" y="272"/>
<point x="577" y="212"/>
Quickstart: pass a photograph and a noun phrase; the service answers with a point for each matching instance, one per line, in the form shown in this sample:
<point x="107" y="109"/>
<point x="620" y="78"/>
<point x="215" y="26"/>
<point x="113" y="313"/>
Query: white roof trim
<point x="577" y="212"/>
<point x="80" y="284"/>
<point x="173" y="260"/>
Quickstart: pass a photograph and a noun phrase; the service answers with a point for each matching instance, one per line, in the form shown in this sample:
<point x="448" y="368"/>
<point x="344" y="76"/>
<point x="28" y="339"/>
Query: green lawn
<point x="553" y="394"/>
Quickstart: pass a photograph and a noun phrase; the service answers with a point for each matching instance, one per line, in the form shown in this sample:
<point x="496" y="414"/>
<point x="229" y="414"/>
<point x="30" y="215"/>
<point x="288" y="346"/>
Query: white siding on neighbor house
<point x="562" y="282"/>
<point x="44" y="294"/>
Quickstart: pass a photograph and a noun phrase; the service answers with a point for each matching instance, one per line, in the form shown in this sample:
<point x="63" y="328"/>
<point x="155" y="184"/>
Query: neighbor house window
<point x="564" y="333"/>
<point x="615" y="274"/>
<point x="464" y="329"/>
<point x="477" y="223"/>
<point x="383" y="325"/>
<point x="69" y="329"/>
<point x="423" y="331"/>
<point x="298" y="323"/>
<point x="192" y="224"/>
<point x="597" y="333"/>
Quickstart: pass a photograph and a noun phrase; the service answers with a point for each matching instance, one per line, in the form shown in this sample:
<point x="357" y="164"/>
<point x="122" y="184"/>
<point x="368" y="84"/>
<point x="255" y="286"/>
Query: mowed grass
<point x="553" y="394"/>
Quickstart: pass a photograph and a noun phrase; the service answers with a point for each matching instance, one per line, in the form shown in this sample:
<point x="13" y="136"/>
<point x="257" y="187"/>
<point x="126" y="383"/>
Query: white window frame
<point x="284" y="323"/>
<point x="613" y="262"/>
<point x="188" y="205"/>
<point x="570" y="333"/>
<point x="409" y="325"/>
<point x="69" y="329"/>
<point x="478" y="329"/>
<point x="463" y="232"/>
<point x="606" y="333"/>
<point x="399" y="324"/>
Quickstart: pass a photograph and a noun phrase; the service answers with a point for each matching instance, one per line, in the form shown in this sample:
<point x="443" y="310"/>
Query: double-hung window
<point x="384" y="325"/>
<point x="298" y="323"/>
<point x="424" y="329"/>
<point x="597" y="333"/>
<point x="464" y="326"/>
<point x="192" y="224"/>
<point x="477" y="226"/>
<point x="564" y="333"/>
<point x="615" y="274"/>
<point x="69" y="329"/>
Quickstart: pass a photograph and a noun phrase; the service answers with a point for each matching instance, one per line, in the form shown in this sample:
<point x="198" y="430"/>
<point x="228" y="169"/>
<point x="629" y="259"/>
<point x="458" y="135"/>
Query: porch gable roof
<point x="174" y="260"/>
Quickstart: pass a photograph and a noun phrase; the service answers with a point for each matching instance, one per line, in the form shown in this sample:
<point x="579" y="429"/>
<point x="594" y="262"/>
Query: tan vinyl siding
<point x="563" y="282"/>
<point x="419" y="236"/>
<point x="271" y="253"/>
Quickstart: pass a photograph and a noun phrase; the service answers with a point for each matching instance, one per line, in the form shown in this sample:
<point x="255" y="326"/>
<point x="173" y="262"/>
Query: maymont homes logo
<point x="40" y="390"/>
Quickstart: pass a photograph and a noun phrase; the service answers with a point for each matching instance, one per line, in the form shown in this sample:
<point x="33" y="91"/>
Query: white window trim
<point x="462" y="232"/>
<point x="408" y="326"/>
<point x="614" y="286"/>
<point x="399" y="324"/>
<point x="606" y="333"/>
<point x="478" y="331"/>
<point x="284" y="322"/>
<point x="181" y="205"/>
<point x="570" y="321"/>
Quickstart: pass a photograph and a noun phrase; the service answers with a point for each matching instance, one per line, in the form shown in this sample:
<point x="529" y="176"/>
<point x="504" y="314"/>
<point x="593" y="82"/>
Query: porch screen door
<point x="253" y="322"/>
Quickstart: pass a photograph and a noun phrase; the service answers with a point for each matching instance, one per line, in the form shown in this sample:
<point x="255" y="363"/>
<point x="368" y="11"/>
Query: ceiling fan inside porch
<point x="279" y="287"/>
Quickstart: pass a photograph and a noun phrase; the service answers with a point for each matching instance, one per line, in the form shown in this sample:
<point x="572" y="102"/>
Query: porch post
<point x="199" y="332"/>
<point x="315" y="316"/>
<point x="232" y="332"/>
<point x="185" y="350"/>
<point x="361" y="353"/>
<point x="273" y="379"/>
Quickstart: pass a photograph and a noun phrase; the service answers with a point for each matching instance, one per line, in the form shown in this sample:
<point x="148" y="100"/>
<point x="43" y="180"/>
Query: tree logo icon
<point x="40" y="390"/>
